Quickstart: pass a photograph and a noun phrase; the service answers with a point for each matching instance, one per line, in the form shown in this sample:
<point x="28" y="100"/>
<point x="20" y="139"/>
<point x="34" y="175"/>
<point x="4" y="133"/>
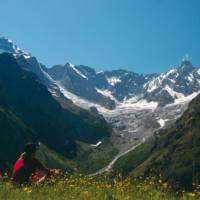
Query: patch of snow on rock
<point x="80" y="101"/>
<point x="173" y="93"/>
<point x="156" y="82"/>
<point x="141" y="104"/>
<point x="77" y="71"/>
<point x="153" y="84"/>
<point x="106" y="93"/>
<point x="100" y="72"/>
<point x="162" y="122"/>
<point x="190" y="77"/>
<point x="186" y="98"/>
<point x="27" y="56"/>
<point x="113" y="80"/>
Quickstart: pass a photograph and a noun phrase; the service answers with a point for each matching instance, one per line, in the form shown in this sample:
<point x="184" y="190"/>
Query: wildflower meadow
<point x="79" y="187"/>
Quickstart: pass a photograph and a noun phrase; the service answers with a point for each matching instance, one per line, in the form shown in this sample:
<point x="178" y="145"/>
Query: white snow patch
<point x="100" y="72"/>
<point x="173" y="93"/>
<point x="27" y="56"/>
<point x="162" y="122"/>
<point x="170" y="72"/>
<point x="179" y="97"/>
<point x="77" y="71"/>
<point x="186" y="98"/>
<point x="106" y="93"/>
<point x="97" y="144"/>
<point x="141" y="104"/>
<point x="143" y="139"/>
<point x="190" y="78"/>
<point x="9" y="40"/>
<point x="172" y="80"/>
<point x="113" y="80"/>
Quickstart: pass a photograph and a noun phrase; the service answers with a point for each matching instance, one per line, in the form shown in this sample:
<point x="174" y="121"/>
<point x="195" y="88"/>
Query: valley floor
<point x="94" y="188"/>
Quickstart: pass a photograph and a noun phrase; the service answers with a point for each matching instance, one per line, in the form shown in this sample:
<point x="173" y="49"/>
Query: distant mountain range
<point x="111" y="88"/>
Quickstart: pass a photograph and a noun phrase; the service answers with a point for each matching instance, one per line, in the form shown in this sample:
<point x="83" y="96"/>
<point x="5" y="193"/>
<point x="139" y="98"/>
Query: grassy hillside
<point x="125" y="164"/>
<point x="88" y="160"/>
<point x="91" y="159"/>
<point x="13" y="133"/>
<point x="53" y="159"/>
<point x="174" y="152"/>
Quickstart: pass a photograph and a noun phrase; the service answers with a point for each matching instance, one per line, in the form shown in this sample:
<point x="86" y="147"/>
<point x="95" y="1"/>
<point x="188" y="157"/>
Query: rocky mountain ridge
<point x="112" y="88"/>
<point x="109" y="89"/>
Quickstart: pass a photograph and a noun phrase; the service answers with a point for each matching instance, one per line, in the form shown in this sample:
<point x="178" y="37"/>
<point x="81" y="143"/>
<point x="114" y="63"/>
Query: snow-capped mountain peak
<point x="175" y="85"/>
<point x="116" y="87"/>
<point x="186" y="67"/>
<point x="7" y="45"/>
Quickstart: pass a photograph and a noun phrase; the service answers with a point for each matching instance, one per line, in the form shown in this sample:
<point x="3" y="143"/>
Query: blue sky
<point x="144" y="36"/>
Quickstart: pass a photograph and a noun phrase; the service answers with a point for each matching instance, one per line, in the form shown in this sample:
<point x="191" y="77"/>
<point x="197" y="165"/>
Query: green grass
<point x="90" y="159"/>
<point x="53" y="159"/>
<point x="78" y="187"/>
<point x="131" y="160"/>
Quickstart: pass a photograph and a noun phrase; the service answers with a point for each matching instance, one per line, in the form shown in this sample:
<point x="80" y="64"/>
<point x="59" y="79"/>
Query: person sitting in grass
<point x="28" y="169"/>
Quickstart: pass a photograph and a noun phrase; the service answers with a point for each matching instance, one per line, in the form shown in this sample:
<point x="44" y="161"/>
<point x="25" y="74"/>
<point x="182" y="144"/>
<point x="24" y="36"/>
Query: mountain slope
<point x="13" y="135"/>
<point x="173" y="153"/>
<point x="80" y="83"/>
<point x="85" y="118"/>
<point x="24" y="94"/>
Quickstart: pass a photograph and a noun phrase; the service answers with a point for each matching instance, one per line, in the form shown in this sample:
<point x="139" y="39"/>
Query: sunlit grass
<point x="92" y="188"/>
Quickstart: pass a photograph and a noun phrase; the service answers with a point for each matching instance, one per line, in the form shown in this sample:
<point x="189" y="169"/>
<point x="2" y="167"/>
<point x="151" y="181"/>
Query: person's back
<point x="27" y="165"/>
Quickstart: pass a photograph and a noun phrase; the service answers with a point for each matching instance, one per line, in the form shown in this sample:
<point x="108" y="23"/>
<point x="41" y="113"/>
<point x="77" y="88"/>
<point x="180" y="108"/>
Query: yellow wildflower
<point x="191" y="194"/>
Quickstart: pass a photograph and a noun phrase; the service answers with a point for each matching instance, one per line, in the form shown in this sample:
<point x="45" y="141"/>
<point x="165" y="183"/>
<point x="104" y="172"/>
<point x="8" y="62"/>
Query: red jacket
<point x="24" y="168"/>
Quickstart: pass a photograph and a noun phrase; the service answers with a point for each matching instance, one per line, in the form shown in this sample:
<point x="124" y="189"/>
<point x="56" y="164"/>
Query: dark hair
<point x="30" y="148"/>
